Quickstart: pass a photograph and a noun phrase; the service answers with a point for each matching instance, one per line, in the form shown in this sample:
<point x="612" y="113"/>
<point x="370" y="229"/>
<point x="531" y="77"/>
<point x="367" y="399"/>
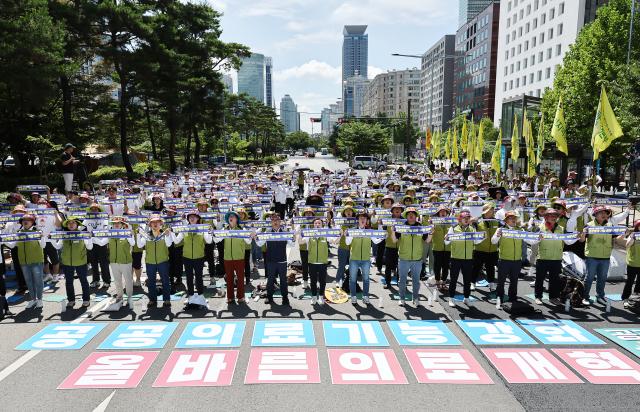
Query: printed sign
<point x="422" y="332"/>
<point x="280" y="365"/>
<point x="559" y="332"/>
<point x="628" y="338"/>
<point x="529" y="366"/>
<point x="211" y="335"/>
<point x="446" y="366"/>
<point x="602" y="366"/>
<point x="495" y="332"/>
<point x="353" y="333"/>
<point x="287" y="333"/>
<point x="62" y="336"/>
<point x="365" y="367"/>
<point x="110" y="370"/>
<point x="139" y="336"/>
<point x="198" y="368"/>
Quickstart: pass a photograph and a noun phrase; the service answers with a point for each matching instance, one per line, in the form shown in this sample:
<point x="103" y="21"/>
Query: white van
<point x="365" y="162"/>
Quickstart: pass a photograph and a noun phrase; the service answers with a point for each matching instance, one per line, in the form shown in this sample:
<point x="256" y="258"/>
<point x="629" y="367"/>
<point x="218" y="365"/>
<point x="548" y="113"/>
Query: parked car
<point x="366" y="162"/>
<point x="311" y="152"/>
<point x="324" y="151"/>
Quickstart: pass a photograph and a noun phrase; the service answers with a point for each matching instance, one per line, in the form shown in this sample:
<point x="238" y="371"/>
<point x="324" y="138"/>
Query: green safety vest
<point x="120" y="251"/>
<point x="549" y="249"/>
<point x="343" y="242"/>
<point x="74" y="253"/>
<point x="388" y="242"/>
<point x="598" y="246"/>
<point x="361" y="248"/>
<point x="510" y="249"/>
<point x="462" y="249"/>
<point x="157" y="251"/>
<point x="490" y="229"/>
<point x="234" y="248"/>
<point x="633" y="255"/>
<point x="437" y="239"/>
<point x="553" y="192"/>
<point x="410" y="247"/>
<point x="136" y="249"/>
<point x="193" y="246"/>
<point x="318" y="250"/>
<point x="29" y="252"/>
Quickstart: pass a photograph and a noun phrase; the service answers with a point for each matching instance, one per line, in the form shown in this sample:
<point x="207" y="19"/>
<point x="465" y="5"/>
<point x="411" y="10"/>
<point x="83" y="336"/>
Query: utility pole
<point x="633" y="18"/>
<point x="408" y="140"/>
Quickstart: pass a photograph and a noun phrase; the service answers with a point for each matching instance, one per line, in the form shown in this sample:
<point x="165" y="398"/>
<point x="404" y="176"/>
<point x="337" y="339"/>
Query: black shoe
<point x="166" y="304"/>
<point x="285" y="302"/>
<point x="268" y="301"/>
<point x="152" y="304"/>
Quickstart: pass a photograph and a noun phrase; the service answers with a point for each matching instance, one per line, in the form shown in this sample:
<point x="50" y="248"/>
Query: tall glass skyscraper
<point x="355" y="59"/>
<point x="251" y="77"/>
<point x="468" y="9"/>
<point x="268" y="75"/>
<point x="289" y="114"/>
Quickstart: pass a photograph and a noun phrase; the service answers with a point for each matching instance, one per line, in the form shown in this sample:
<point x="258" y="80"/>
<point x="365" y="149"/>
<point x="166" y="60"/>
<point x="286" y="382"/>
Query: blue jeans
<point x="404" y="266"/>
<point x="279" y="269"/>
<point x="343" y="259"/>
<point x="598" y="268"/>
<point x="34" y="276"/>
<point x="81" y="271"/>
<point x="163" y="270"/>
<point x="364" y="266"/>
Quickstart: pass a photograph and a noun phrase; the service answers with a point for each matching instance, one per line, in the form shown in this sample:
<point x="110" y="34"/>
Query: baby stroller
<point x="574" y="271"/>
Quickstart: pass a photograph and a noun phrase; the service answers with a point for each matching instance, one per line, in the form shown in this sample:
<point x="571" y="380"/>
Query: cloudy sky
<point x="304" y="38"/>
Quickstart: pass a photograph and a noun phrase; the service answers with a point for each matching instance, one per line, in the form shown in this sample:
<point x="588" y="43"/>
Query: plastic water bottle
<point x="567" y="305"/>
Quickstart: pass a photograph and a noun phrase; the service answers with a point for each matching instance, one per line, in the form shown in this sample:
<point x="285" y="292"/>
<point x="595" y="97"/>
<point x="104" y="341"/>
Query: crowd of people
<point x="411" y="225"/>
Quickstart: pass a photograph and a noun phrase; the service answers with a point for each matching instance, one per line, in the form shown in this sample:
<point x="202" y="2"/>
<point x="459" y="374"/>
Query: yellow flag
<point x="606" y="128"/>
<point x="437" y="144"/>
<point x="454" y="148"/>
<point x="471" y="143"/>
<point x="515" y="140"/>
<point x="427" y="141"/>
<point x="465" y="136"/>
<point x="495" y="157"/>
<point x="447" y="153"/>
<point x="527" y="133"/>
<point x="559" y="130"/>
<point x="540" y="141"/>
<point x="480" y="142"/>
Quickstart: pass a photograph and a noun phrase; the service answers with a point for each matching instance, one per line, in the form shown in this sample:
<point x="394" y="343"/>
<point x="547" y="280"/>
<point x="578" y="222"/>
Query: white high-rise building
<point x="534" y="36"/>
<point x="390" y="93"/>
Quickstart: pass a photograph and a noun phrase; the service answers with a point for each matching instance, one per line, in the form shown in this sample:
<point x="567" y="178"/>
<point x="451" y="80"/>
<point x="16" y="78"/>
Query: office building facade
<point x="289" y="114"/>
<point x="468" y="9"/>
<point x="355" y="60"/>
<point x="436" y="85"/>
<point x="391" y="94"/>
<point x="268" y="82"/>
<point x="355" y="87"/>
<point x="475" y="63"/>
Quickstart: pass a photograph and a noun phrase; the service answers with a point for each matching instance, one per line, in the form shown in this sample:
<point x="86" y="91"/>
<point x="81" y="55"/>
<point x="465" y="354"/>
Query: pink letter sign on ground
<point x="365" y="367"/>
<point x="529" y="366"/>
<point x="109" y="370"/>
<point x="198" y="368"/>
<point x="283" y="365"/>
<point x="602" y="366"/>
<point x="446" y="366"/>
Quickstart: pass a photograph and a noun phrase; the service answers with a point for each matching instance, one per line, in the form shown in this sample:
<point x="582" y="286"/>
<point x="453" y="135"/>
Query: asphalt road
<point x="28" y="379"/>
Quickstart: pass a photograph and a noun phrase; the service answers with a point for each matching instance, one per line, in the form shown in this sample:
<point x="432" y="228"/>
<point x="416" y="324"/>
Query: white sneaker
<point x="473" y="286"/>
<point x="626" y="304"/>
<point x="492" y="286"/>
<point x="31" y="304"/>
<point x="365" y="300"/>
<point x="39" y="304"/>
<point x="354" y="300"/>
<point x="416" y="303"/>
<point x="320" y="300"/>
<point x="106" y="285"/>
<point x="538" y="301"/>
<point x="467" y="301"/>
<point x="401" y="303"/>
<point x="47" y="278"/>
<point x="532" y="283"/>
<point x="314" y="300"/>
<point x="452" y="303"/>
<point x="586" y="302"/>
<point x="305" y="284"/>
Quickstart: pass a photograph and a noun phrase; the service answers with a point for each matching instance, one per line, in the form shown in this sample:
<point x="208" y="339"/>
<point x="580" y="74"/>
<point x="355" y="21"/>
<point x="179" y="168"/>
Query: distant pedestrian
<point x="68" y="163"/>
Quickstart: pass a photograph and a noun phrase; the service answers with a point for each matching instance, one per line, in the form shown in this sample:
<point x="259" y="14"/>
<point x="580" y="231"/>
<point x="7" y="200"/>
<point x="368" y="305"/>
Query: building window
<point x="534" y="41"/>
<point x="527" y="27"/>
<point x="531" y="78"/>
<point x="539" y="75"/>
<point x="525" y="62"/>
<point x="542" y="38"/>
<point x="560" y="27"/>
<point x="536" y="3"/>
<point x="552" y="14"/>
<point x="558" y="50"/>
<point x="551" y="33"/>
<point x="533" y="59"/>
<point x="540" y="57"/>
<point x="517" y="82"/>
<point x="543" y="19"/>
<point x="561" y="8"/>
<point x="548" y="73"/>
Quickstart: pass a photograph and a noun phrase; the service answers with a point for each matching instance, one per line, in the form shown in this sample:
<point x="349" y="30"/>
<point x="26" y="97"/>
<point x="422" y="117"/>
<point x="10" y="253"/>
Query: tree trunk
<point x="67" y="123"/>
<point x="187" y="148"/>
<point x="150" y="128"/>
<point x="196" y="138"/>
<point x="124" y="144"/>
<point x="172" y="126"/>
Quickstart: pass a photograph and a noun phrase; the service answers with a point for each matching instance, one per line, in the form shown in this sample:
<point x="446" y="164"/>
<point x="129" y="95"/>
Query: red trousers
<point x="236" y="266"/>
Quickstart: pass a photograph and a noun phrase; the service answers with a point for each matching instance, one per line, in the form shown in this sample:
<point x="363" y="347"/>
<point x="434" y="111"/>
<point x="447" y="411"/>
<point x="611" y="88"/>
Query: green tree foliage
<point x="358" y="138"/>
<point x="298" y="140"/>
<point x="597" y="58"/>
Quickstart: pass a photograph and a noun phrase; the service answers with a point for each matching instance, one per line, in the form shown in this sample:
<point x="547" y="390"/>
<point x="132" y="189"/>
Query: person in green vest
<point x="156" y="242"/>
<point x="510" y="257"/>
<point x="31" y="258"/>
<point x="136" y="253"/>
<point x="74" y="261"/>
<point x="318" y="248"/>
<point x="598" y="250"/>
<point x="234" y="249"/>
<point x="578" y="214"/>
<point x="193" y="256"/>
<point x="549" y="258"/>
<point x="461" y="256"/>
<point x="304" y="253"/>
<point x="633" y="264"/>
<point x="391" y="248"/>
<point x="554" y="189"/>
<point x="410" y="251"/>
<point x="343" y="249"/>
<point x="441" y="251"/>
<point x="121" y="260"/>
<point x="486" y="253"/>
<point x="360" y="259"/>
<point x="385" y="203"/>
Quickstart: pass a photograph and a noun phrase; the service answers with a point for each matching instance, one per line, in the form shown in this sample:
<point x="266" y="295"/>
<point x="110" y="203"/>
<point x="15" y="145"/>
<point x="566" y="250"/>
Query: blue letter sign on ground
<point x="495" y="332"/>
<point x="62" y="336"/>
<point x="211" y="335"/>
<point x="139" y="336"/>
<point x="422" y="332"/>
<point x="353" y="333"/>
<point x="628" y="338"/>
<point x="559" y="332"/>
<point x="285" y="333"/>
